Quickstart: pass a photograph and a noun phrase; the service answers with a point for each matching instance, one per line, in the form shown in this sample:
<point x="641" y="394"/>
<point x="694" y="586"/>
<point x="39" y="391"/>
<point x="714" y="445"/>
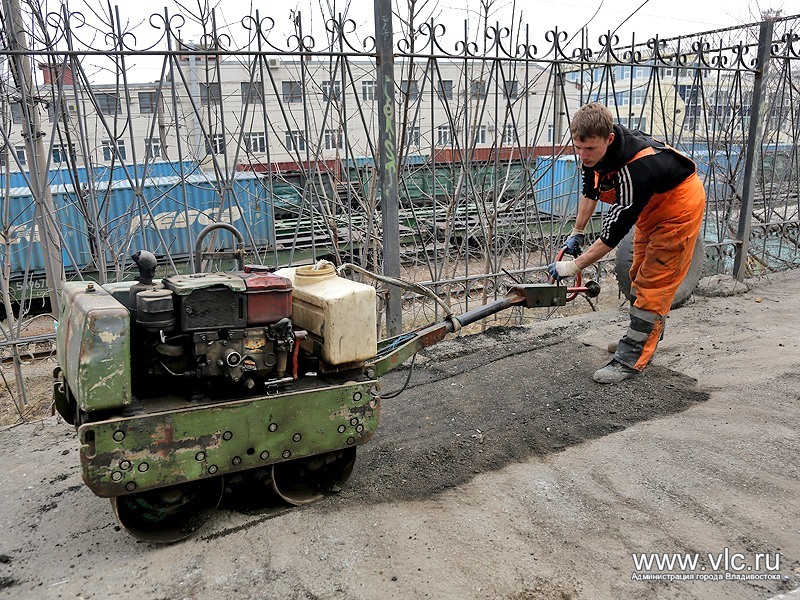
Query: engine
<point x="208" y="337"/>
<point x="213" y="327"/>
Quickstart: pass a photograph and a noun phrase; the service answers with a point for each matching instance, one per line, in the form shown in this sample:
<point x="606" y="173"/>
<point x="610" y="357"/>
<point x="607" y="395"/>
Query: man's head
<point x="592" y="133"/>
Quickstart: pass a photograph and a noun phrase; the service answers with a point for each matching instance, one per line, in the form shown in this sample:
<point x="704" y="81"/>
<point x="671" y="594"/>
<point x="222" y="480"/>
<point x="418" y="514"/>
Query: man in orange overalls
<point x="653" y="188"/>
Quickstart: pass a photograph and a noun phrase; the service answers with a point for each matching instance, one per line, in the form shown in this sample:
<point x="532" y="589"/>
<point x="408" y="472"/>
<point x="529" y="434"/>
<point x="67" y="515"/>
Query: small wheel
<point x="307" y="480"/>
<point x="170" y="513"/>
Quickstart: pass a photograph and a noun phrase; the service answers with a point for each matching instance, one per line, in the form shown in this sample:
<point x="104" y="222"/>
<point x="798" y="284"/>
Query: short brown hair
<point x="591" y="121"/>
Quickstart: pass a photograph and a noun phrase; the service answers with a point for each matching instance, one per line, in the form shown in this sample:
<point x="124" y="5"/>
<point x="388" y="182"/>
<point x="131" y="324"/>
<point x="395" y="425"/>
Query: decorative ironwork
<point x="272" y="123"/>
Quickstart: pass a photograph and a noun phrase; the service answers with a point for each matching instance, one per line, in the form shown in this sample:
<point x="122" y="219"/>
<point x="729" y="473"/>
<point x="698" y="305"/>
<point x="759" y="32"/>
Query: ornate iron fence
<point x="117" y="138"/>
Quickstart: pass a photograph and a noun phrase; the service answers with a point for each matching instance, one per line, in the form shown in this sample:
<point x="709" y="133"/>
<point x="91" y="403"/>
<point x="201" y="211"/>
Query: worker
<point x="654" y="189"/>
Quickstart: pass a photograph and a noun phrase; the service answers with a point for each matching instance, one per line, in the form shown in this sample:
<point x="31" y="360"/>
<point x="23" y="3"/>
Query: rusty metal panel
<point x="541" y="295"/>
<point x="134" y="454"/>
<point x="93" y="345"/>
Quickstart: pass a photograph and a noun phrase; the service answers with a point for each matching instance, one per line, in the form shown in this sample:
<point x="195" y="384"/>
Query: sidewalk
<point x="723" y="474"/>
<point x="502" y="472"/>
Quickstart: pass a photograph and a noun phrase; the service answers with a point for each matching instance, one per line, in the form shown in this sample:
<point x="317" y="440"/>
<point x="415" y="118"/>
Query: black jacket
<point x="628" y="183"/>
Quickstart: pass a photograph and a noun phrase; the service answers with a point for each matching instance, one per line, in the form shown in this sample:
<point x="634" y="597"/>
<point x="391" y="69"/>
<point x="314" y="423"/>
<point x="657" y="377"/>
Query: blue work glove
<point x="574" y="243"/>
<point x="562" y="269"/>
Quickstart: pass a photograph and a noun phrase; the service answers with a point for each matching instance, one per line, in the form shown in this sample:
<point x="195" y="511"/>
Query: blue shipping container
<point x="162" y="214"/>
<point x="558" y="186"/>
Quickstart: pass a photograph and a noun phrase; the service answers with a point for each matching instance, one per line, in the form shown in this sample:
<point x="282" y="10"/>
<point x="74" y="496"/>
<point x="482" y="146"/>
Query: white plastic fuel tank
<point x="338" y="310"/>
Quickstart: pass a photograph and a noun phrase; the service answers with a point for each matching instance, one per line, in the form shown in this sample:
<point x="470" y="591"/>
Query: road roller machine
<point x="180" y="386"/>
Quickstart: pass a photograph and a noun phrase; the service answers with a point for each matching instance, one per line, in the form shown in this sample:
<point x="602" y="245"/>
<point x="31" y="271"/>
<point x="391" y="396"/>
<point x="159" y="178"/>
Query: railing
<point x="122" y="138"/>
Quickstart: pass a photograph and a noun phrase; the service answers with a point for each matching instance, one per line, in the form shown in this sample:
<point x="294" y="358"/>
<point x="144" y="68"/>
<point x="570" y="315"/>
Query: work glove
<point x="574" y="242"/>
<point x="562" y="269"/>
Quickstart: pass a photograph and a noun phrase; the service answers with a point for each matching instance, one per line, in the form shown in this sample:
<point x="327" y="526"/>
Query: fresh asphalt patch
<point x="471" y="410"/>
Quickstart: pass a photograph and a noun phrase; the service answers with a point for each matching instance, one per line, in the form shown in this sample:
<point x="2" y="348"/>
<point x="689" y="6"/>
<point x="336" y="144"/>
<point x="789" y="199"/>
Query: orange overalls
<point x="665" y="235"/>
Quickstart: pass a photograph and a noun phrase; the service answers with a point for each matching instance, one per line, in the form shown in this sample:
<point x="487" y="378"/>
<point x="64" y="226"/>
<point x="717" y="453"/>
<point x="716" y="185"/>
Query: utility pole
<point x="34" y="145"/>
<point x="387" y="163"/>
<point x="753" y="150"/>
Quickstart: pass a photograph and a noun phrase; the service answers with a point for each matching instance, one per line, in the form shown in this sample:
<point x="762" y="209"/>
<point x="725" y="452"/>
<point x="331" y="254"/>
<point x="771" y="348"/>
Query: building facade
<point x="237" y="114"/>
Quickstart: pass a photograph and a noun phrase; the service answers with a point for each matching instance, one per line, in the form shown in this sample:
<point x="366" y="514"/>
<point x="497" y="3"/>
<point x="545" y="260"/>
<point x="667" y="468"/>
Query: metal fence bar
<point x="49" y="238"/>
<point x="428" y="151"/>
<point x="387" y="162"/>
<point x="753" y="151"/>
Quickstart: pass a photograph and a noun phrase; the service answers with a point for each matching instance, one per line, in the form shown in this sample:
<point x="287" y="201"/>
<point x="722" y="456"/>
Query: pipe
<point x="198" y="250"/>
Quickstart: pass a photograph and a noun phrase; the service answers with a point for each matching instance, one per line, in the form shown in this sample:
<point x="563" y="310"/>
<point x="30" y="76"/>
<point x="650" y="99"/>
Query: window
<point x="252" y="93"/>
<point x="107" y="104"/>
<point x="477" y="89"/>
<point x="511" y="88"/>
<point x="774" y="122"/>
<point x="62" y="153"/>
<point x="331" y="90"/>
<point x="633" y="122"/>
<point x="443" y="135"/>
<point x="639" y="97"/>
<point x="639" y="73"/>
<point x="215" y="144"/>
<point x="445" y="89"/>
<point x="409" y="88"/>
<point x="295" y="140"/>
<point x="52" y="109"/>
<point x="109" y="146"/>
<point x="412" y="137"/>
<point x="746" y="102"/>
<point x="479" y="134"/>
<point x="509" y="135"/>
<point x="16" y="112"/>
<point x="689" y="93"/>
<point x="368" y="90"/>
<point x="255" y="142"/>
<point x="22" y="157"/>
<point x="210" y="93"/>
<point x="148" y="102"/>
<point x="623" y="99"/>
<point x="694" y="110"/>
<point x="152" y="148"/>
<point x="292" y="91"/>
<point x="667" y="72"/>
<point x="332" y="138"/>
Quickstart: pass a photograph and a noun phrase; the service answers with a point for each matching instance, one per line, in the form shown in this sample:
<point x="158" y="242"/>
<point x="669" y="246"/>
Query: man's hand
<point x="574" y="242"/>
<point x="561" y="269"/>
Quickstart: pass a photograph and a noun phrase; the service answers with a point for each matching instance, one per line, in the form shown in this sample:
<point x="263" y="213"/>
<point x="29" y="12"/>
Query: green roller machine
<point x="175" y="385"/>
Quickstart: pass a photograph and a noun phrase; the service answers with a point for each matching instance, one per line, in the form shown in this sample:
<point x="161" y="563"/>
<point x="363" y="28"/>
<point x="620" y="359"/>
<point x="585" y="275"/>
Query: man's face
<point x="592" y="150"/>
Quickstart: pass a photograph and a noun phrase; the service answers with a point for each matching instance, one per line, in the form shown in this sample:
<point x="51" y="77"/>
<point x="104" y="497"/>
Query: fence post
<point x="387" y="162"/>
<point x="44" y="213"/>
<point x="753" y="150"/>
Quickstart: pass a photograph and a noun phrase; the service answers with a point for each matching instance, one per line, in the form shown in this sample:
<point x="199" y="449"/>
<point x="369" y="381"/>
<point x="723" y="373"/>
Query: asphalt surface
<point x="502" y="472"/>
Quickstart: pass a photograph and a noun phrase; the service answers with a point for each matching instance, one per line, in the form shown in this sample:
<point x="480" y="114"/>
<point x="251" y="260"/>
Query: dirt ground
<point x="502" y="471"/>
